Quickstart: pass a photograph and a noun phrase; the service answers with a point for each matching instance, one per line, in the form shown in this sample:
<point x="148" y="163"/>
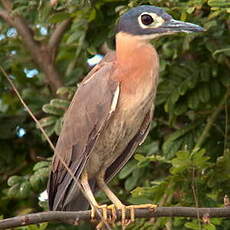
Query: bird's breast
<point x="137" y="78"/>
<point x="121" y="128"/>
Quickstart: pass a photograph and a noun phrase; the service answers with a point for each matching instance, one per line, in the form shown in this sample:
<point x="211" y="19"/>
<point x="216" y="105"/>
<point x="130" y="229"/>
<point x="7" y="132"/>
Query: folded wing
<point x="90" y="109"/>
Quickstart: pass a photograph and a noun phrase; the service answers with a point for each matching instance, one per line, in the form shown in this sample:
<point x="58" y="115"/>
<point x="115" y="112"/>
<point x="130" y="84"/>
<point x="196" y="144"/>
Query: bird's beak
<point x="174" y="26"/>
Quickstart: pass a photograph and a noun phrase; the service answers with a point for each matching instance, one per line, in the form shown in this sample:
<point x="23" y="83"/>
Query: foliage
<point x="185" y="159"/>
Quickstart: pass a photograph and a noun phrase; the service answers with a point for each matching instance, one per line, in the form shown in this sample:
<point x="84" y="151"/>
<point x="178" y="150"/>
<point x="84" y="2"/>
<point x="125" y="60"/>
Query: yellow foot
<point x="132" y="208"/>
<point x="106" y="219"/>
<point x="113" y="217"/>
<point x="96" y="209"/>
<point x="126" y="221"/>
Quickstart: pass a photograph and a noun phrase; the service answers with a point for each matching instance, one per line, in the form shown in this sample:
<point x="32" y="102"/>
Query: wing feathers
<point x="130" y="149"/>
<point x="90" y="109"/>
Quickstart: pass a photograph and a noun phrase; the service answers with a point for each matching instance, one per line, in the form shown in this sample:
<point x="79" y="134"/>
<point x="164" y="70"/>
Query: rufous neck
<point x="129" y="48"/>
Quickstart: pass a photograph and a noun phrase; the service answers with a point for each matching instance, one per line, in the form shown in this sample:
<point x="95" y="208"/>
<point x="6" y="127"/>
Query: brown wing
<point x="131" y="147"/>
<point x="89" y="110"/>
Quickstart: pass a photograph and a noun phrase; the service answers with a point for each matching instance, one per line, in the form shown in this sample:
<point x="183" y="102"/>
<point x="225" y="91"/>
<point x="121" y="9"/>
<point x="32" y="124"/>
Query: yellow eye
<point x="146" y="19"/>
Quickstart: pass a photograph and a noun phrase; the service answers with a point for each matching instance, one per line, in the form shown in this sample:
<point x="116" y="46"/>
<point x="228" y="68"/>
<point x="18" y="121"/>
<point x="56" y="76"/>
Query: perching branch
<point x="76" y="217"/>
<point x="42" y="54"/>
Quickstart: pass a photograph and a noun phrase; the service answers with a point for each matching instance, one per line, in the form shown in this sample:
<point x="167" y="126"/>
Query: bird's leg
<point x="118" y="204"/>
<point x="93" y="203"/>
<point x="85" y="184"/>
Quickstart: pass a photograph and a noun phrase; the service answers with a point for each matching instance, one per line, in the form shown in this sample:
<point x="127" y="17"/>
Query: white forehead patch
<point x="157" y="21"/>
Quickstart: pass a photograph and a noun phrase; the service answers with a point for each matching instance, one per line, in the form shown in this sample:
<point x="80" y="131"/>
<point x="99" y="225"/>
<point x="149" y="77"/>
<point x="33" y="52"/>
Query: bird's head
<point x="148" y="22"/>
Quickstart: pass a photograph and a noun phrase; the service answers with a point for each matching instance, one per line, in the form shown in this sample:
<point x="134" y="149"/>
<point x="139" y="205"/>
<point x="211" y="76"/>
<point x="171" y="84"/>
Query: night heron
<point x="111" y="112"/>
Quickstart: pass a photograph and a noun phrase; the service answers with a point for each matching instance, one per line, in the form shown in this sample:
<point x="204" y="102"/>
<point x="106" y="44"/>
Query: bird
<point x="111" y="112"/>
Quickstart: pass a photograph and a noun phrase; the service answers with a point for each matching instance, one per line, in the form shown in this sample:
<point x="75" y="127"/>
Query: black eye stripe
<point x="146" y="19"/>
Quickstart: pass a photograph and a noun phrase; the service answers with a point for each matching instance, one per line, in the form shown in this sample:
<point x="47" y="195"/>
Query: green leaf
<point x="139" y="200"/>
<point x="41" y="164"/>
<point x="205" y="73"/>
<point x="180" y="109"/>
<point x="139" y="157"/>
<point x="204" y="94"/>
<point x="192" y="225"/>
<point x="75" y="36"/>
<point x="219" y="3"/>
<point x="131" y="181"/>
<point x="190" y="10"/>
<point x="174" y="141"/>
<point x="13" y="192"/>
<point x="127" y="169"/>
<point x="14" y="180"/>
<point x="41" y="226"/>
<point x="47" y="121"/>
<point x="50" y="109"/>
<point x="49" y="131"/>
<point x="58" y="126"/>
<point x="43" y="173"/>
<point x="25" y="190"/>
<point x="60" y="103"/>
<point x="67" y="91"/>
<point x="199" y="159"/>
<point x="193" y="100"/>
<point x="209" y="227"/>
<point x="215" y="88"/>
<point x="181" y="163"/>
<point x="59" y="17"/>
<point x="38" y="181"/>
<point x="225" y="80"/>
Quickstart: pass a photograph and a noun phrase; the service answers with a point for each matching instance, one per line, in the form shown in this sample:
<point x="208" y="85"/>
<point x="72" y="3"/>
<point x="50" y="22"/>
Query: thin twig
<point x="211" y="120"/>
<point x="226" y="124"/>
<point x="194" y="191"/>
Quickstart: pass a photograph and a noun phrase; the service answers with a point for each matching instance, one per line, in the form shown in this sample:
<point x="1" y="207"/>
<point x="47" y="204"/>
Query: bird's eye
<point x="146" y="19"/>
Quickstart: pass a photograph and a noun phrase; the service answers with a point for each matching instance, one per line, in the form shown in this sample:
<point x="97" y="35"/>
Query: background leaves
<point x="185" y="159"/>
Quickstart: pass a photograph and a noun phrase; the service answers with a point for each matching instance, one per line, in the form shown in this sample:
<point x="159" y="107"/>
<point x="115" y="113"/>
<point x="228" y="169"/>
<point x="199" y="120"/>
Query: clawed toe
<point x="133" y="207"/>
<point x="126" y="221"/>
<point x="109" y="214"/>
<point x="106" y="217"/>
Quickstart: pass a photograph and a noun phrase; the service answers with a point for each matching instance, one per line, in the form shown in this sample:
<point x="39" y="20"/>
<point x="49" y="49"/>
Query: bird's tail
<point x="73" y="199"/>
<point x="76" y="201"/>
